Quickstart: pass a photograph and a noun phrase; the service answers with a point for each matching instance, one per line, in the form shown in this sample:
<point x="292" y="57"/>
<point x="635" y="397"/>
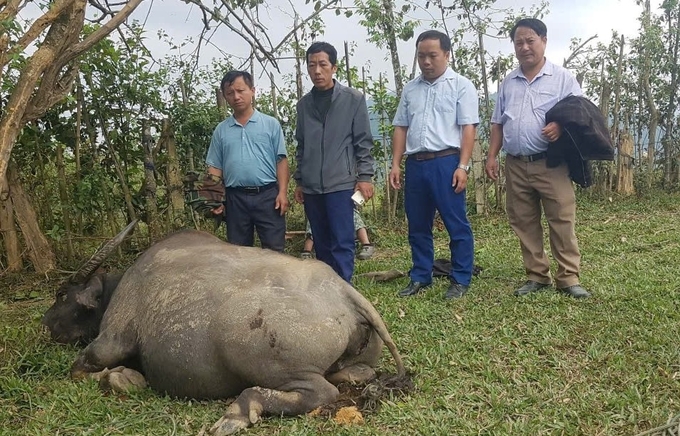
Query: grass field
<point x="489" y="364"/>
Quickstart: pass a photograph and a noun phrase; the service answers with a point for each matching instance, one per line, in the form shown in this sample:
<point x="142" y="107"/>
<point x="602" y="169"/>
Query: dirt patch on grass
<point x="355" y="400"/>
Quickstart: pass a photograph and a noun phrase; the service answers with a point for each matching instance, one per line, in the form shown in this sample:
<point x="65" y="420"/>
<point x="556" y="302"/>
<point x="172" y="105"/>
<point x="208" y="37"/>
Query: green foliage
<point x="376" y="24"/>
<point x="489" y="363"/>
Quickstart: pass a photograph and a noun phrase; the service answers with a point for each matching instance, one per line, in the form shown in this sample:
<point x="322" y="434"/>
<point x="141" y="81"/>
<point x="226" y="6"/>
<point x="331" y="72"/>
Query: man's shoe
<point x="529" y="287"/>
<point x="576" y="291"/>
<point x="366" y="252"/>
<point x="456" y="290"/>
<point x="306" y="255"/>
<point x="413" y="288"/>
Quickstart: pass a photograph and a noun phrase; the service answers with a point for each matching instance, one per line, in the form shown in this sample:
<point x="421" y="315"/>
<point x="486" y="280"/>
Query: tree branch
<point x="9" y="10"/>
<point x="576" y="51"/>
<point x="303" y="22"/>
<point x="99" y="34"/>
<point x="39" y="26"/>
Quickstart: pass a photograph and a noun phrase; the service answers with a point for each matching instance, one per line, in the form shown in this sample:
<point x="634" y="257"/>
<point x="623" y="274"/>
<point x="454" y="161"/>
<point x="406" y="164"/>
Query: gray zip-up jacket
<point x="333" y="153"/>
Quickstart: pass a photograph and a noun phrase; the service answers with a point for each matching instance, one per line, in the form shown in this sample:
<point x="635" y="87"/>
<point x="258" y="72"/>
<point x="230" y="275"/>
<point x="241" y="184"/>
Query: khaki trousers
<point x="530" y="186"/>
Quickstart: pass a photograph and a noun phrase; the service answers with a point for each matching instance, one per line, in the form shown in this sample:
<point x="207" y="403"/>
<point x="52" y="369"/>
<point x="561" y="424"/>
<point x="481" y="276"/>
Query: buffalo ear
<point x="90" y="295"/>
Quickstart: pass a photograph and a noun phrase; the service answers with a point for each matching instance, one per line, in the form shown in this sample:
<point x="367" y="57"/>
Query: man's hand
<point x="299" y="195"/>
<point x="492" y="167"/>
<point x="282" y="203"/>
<point x="366" y="189"/>
<point x="552" y="131"/>
<point x="218" y="210"/>
<point x="459" y="181"/>
<point x="395" y="177"/>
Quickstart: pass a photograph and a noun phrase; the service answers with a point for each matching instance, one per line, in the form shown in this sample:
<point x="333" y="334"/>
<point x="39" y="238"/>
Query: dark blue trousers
<point x="428" y="188"/>
<point x="249" y="212"/>
<point x="331" y="219"/>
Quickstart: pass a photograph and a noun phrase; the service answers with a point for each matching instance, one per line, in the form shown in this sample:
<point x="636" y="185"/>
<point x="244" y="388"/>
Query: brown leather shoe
<point x="413" y="288"/>
<point x="530" y="287"/>
<point x="576" y="291"/>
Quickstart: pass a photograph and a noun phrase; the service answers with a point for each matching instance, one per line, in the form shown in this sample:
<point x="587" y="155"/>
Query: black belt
<point x="427" y="155"/>
<point x="531" y="157"/>
<point x="252" y="190"/>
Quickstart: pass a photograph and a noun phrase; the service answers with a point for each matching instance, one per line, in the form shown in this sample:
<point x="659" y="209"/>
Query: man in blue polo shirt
<point x="435" y="127"/>
<point x="247" y="151"/>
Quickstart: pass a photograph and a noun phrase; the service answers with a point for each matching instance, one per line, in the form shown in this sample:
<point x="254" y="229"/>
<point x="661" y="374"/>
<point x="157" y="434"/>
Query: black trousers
<point x="247" y="212"/>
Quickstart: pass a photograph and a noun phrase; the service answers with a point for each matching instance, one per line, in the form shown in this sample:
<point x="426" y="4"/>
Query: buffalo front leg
<point x="96" y="359"/>
<point x="291" y="399"/>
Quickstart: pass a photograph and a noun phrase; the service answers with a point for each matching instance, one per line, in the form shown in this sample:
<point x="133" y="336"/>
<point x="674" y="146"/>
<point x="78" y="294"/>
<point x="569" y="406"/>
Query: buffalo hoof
<point x="229" y="425"/>
<point x="355" y="374"/>
<point x="120" y="379"/>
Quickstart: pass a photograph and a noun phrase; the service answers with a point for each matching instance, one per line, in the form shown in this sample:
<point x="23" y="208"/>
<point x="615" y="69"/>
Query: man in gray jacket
<point x="333" y="158"/>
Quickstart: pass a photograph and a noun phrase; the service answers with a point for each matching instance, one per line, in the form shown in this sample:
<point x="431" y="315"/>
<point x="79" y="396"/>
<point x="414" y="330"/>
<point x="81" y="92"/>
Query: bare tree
<point x="45" y="78"/>
<point x="48" y="74"/>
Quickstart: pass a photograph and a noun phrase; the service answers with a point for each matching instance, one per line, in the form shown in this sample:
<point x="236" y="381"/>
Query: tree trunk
<point x="174" y="177"/>
<point x="151" y="204"/>
<point x="46" y="219"/>
<point x="64" y="200"/>
<point x="479" y="177"/>
<point x="624" y="165"/>
<point x="670" y="116"/>
<point x="477" y="153"/>
<point x="614" y="133"/>
<point x="39" y="250"/>
<point x="651" y="104"/>
<point x="8" y="234"/>
<point x="76" y="150"/>
<point x="391" y="38"/>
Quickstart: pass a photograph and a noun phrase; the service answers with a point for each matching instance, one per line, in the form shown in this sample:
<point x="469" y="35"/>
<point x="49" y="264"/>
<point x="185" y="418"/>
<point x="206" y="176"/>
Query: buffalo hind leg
<point x="96" y="359"/>
<point x="355" y="374"/>
<point x="294" y="398"/>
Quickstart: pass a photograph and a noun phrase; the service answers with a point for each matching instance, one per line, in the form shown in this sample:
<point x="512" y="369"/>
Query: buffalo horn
<point x="98" y="258"/>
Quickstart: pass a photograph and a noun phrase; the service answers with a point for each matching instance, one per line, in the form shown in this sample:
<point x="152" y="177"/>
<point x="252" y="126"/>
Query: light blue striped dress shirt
<point x="521" y="106"/>
<point x="434" y="112"/>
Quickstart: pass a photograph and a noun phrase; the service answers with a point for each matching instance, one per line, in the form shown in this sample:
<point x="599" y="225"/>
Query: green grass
<point x="489" y="364"/>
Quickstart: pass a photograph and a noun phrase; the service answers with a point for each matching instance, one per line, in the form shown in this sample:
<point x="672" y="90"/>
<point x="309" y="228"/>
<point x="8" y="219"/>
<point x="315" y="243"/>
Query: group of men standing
<point x="435" y="129"/>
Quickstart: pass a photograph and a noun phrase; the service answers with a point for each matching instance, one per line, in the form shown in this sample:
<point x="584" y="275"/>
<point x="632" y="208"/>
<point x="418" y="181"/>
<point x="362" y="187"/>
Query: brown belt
<point x="531" y="157"/>
<point x="427" y="155"/>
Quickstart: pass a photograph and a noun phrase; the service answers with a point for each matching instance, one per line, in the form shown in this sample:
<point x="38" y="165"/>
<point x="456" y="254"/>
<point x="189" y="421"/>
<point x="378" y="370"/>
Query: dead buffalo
<point x="206" y="319"/>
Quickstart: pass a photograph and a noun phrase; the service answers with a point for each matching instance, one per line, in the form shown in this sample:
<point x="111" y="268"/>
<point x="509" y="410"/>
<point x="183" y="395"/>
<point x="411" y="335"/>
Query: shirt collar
<point x="447" y="75"/>
<point x="231" y="121"/>
<point x="547" y="69"/>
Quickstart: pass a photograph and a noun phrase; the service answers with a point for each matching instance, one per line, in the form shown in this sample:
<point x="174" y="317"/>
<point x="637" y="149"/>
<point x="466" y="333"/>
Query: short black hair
<point x="232" y="75"/>
<point x="534" y="24"/>
<point x="444" y="40"/>
<point x="325" y="47"/>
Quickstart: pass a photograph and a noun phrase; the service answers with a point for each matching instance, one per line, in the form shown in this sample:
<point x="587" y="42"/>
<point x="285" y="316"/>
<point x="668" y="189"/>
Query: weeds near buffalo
<point x="488" y="364"/>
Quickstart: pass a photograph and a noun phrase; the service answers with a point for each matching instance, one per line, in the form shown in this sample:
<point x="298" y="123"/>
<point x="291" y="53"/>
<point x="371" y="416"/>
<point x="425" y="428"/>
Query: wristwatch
<point x="465" y="168"/>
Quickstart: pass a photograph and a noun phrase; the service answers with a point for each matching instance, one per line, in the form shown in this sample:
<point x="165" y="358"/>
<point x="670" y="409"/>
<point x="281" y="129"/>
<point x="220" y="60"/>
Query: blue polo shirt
<point x="434" y="112"/>
<point x="247" y="155"/>
<point x="521" y="106"/>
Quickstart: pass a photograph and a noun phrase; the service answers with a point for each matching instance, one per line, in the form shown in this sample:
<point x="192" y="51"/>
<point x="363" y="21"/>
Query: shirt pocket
<point x="544" y="101"/>
<point x="445" y="102"/>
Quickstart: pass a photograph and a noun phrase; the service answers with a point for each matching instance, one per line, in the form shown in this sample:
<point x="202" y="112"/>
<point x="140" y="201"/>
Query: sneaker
<point x="366" y="252"/>
<point x="306" y="255"/>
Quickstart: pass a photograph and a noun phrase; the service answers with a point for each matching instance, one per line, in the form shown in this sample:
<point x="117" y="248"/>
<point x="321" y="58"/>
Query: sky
<point x="565" y="20"/>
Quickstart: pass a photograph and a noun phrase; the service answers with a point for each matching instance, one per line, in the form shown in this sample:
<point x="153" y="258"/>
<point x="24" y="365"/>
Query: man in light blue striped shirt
<point x="435" y="127"/>
<point x="518" y="125"/>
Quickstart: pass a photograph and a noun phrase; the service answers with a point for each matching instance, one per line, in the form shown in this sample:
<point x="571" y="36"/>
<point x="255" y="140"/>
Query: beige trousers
<point x="530" y="186"/>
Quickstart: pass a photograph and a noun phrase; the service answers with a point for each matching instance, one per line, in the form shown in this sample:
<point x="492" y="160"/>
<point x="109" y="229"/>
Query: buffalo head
<point x="80" y="303"/>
